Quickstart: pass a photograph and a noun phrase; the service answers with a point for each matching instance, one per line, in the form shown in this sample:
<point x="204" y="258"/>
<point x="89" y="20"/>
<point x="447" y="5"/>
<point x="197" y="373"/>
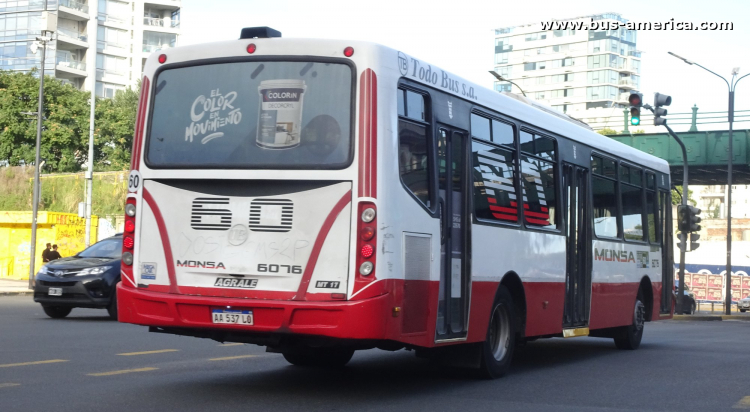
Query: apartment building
<point x="584" y="73"/>
<point x="98" y="43"/>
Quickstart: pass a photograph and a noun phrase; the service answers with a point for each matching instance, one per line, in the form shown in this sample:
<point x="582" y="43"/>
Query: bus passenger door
<point x="453" y="302"/>
<point x="578" y="246"/>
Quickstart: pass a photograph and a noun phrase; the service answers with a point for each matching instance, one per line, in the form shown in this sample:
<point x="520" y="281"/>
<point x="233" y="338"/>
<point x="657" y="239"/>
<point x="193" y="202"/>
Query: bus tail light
<point x="251" y="48"/>
<point x="162" y="58"/>
<point x="349" y="51"/>
<point x="128" y="242"/>
<point x="367" y="241"/>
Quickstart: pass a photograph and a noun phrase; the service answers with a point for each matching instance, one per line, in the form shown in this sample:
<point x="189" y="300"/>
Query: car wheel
<point x="112" y="307"/>
<point x="629" y="337"/>
<point x="320" y="357"/>
<point x="497" y="349"/>
<point x="57" y="312"/>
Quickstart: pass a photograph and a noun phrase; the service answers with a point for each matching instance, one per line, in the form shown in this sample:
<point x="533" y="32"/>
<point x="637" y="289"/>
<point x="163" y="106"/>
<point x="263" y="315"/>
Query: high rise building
<point x="583" y="73"/>
<point x="113" y="36"/>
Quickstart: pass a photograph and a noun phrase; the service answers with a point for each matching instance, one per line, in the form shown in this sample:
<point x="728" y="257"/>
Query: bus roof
<point x="379" y="58"/>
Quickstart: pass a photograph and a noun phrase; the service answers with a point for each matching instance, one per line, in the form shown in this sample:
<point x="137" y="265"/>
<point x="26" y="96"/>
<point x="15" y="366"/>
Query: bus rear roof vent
<point x="259" y="32"/>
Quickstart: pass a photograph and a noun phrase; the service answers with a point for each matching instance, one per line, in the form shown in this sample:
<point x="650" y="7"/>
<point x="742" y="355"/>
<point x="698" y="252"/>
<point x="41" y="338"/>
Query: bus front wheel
<point x="320" y="357"/>
<point x="497" y="349"/>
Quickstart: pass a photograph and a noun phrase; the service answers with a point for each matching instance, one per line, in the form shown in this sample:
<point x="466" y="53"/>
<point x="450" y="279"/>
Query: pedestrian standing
<point x="54" y="254"/>
<point x="46" y="252"/>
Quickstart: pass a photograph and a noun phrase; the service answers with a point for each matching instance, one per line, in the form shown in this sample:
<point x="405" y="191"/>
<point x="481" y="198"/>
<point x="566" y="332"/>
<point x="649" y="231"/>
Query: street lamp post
<point x="39" y="122"/>
<point x="503" y="79"/>
<point x="731" y="85"/>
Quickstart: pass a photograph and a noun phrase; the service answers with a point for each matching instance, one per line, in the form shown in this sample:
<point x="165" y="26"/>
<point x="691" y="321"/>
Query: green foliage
<point x="64" y="144"/>
<point x="639" y="131"/>
<point x="62" y="193"/>
<point x="677" y="196"/>
<point x="607" y="131"/>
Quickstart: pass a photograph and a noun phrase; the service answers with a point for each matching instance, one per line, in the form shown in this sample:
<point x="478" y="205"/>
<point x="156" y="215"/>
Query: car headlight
<point x="43" y="271"/>
<point x="98" y="270"/>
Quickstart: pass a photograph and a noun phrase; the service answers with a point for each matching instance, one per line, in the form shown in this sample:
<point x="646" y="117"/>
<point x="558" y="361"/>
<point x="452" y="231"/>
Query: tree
<point x="677" y="196"/>
<point x="607" y="131"/>
<point x="115" y="123"/>
<point x="64" y="144"/>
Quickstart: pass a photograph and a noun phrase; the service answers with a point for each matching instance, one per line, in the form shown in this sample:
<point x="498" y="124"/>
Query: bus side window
<point x="494" y="187"/>
<point x="538" y="180"/>
<point x="604" y="196"/>
<point x="632" y="203"/>
<point x="413" y="146"/>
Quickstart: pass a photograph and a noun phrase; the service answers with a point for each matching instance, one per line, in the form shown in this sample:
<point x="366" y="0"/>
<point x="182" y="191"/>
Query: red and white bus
<point x="320" y="197"/>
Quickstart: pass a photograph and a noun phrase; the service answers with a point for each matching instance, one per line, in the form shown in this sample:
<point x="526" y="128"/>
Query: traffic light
<point x="661" y="100"/>
<point x="687" y="223"/>
<point x="636" y="101"/>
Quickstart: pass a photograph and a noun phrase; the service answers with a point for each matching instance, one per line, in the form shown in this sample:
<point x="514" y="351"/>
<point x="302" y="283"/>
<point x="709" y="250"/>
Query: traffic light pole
<point x="681" y="287"/>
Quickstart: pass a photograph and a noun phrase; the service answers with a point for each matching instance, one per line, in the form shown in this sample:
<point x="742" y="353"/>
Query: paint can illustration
<point x="280" y="117"/>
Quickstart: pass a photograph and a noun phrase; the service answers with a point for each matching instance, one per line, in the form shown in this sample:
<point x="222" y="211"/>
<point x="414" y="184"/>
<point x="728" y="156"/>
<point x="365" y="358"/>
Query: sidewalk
<point x="14" y="287"/>
<point x="707" y="315"/>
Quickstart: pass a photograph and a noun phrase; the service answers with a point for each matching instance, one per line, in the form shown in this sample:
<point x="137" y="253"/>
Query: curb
<point x="17" y="293"/>
<point x="711" y="317"/>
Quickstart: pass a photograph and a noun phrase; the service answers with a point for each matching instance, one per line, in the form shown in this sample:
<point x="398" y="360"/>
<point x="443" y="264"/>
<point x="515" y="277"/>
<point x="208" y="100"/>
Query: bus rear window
<point x="249" y="115"/>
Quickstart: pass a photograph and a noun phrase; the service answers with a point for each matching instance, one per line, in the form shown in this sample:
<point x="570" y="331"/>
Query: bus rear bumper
<point x="361" y="319"/>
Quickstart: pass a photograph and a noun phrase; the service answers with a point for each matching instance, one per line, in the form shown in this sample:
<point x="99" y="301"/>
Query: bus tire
<point x="57" y="312"/>
<point x="629" y="337"/>
<point x="497" y="349"/>
<point x="319" y="357"/>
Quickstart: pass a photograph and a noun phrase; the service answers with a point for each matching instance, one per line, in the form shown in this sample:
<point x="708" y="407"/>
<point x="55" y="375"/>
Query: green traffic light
<point x="635" y="121"/>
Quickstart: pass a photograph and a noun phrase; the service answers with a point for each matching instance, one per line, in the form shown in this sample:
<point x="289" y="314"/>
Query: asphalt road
<point x="87" y="362"/>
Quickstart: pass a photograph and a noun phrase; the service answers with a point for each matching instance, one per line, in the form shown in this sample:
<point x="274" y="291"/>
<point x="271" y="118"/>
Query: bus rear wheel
<point x="319" y="357"/>
<point x="497" y="349"/>
<point x="629" y="337"/>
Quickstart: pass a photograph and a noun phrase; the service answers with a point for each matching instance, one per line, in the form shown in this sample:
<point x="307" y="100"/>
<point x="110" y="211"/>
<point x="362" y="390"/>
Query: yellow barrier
<point x="66" y="230"/>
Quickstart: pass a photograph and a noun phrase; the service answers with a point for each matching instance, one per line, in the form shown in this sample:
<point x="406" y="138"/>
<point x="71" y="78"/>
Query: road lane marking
<point x="744" y="403"/>
<point x="8" y="385"/>
<point x="123" y="371"/>
<point x="234" y="357"/>
<point x="231" y="344"/>
<point x="150" y="352"/>
<point x="41" y="362"/>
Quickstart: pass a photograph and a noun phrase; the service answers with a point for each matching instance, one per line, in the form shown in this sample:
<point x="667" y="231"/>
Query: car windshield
<point x="107" y="248"/>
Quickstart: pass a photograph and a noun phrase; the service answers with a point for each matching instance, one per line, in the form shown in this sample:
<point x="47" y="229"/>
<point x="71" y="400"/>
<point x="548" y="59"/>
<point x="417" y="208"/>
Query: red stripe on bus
<point x="536" y="214"/>
<point x="513" y="203"/>
<point x="544" y="209"/>
<point x="492" y="200"/>
<point x="505" y="217"/>
<point x="537" y="221"/>
<point x="503" y="209"/>
<point x="322" y="234"/>
<point x="525" y="205"/>
<point x="368" y="133"/>
<point x="166" y="245"/>
<point x="135" y="162"/>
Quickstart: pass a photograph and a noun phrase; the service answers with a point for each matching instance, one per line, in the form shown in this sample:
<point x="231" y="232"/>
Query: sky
<point x="458" y="36"/>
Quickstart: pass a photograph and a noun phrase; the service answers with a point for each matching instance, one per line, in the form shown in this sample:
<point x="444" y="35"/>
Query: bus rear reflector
<point x="349" y="51"/>
<point x="162" y="58"/>
<point x="251" y="48"/>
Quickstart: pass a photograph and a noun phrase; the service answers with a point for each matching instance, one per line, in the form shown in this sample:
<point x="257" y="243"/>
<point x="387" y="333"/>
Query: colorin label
<point x="280" y="117"/>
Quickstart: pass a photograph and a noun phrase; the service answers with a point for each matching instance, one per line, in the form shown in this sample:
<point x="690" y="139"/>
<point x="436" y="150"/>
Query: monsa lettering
<point x="200" y="264"/>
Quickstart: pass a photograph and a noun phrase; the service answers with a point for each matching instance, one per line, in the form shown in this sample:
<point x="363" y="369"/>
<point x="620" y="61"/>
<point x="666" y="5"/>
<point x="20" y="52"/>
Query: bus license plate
<point x="55" y="292"/>
<point x="233" y="317"/>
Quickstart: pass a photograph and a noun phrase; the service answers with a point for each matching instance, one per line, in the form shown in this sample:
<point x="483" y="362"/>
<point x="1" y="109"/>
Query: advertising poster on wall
<point x="689" y="280"/>
<point x="745" y="280"/>
<point x="714" y="294"/>
<point x="715" y="281"/>
<point x="736" y="282"/>
<point x="700" y="293"/>
<point x="736" y="294"/>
